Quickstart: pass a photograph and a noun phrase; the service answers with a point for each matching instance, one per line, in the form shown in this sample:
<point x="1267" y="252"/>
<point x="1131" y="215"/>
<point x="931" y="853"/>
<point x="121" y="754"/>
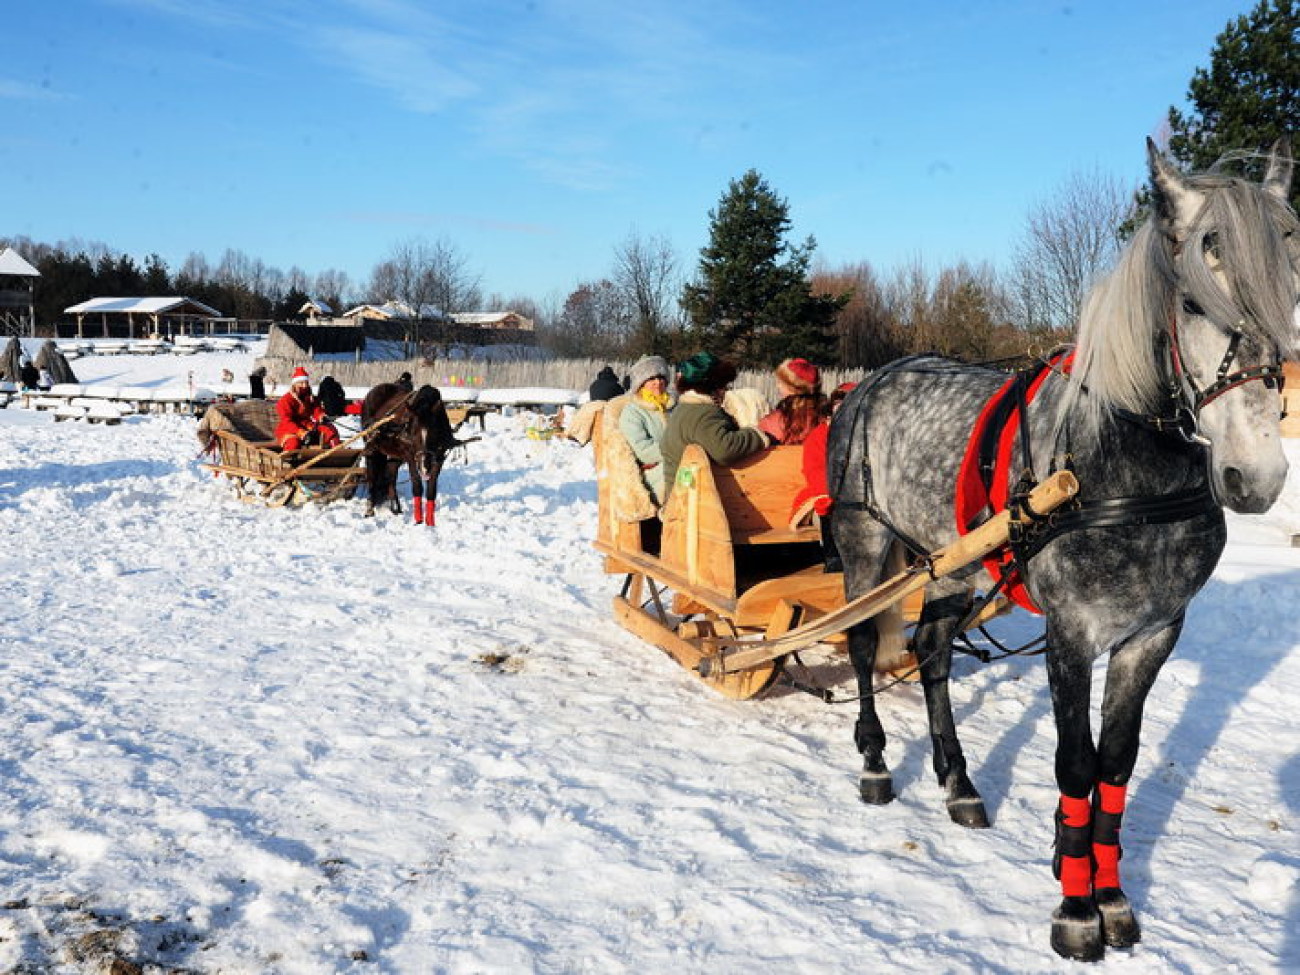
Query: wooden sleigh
<point x="257" y="469"/>
<point x="734" y="588"/>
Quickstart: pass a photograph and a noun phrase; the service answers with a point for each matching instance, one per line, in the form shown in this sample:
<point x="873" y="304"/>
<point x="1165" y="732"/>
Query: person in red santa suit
<point x="301" y="416"/>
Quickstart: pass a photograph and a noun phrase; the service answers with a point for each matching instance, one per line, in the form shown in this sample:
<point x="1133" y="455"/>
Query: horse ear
<point x="1176" y="202"/>
<point x="1278" y="178"/>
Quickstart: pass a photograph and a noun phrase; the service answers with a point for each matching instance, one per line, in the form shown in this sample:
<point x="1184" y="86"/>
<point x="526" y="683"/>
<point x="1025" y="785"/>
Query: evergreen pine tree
<point x="1250" y="95"/>
<point x="753" y="301"/>
<point x="1248" y="99"/>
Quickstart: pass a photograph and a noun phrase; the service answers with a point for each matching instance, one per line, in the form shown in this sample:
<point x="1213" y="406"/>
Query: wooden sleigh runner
<point x="734" y="588"/>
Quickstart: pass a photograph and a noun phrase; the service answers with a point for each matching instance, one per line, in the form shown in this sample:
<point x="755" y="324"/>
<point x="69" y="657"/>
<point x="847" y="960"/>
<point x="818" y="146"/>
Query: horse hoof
<point x="969" y="811"/>
<point x="1076" y="930"/>
<point x="1118" y="925"/>
<point x="370" y="513"/>
<point x="876" y="788"/>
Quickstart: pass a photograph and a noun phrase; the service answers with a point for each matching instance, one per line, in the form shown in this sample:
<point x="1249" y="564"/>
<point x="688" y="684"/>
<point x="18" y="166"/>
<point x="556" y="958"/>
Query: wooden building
<point x="17" y="294"/>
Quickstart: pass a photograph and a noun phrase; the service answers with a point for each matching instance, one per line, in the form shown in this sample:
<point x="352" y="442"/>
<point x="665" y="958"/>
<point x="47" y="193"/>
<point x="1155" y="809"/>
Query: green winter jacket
<point x="697" y="419"/>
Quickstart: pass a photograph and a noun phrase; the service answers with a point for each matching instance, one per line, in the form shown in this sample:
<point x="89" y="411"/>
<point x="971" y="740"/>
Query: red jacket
<point x="298" y="415"/>
<point x="814" y="471"/>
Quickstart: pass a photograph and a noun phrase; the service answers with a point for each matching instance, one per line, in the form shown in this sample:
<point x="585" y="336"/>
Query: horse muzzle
<point x="1250" y="493"/>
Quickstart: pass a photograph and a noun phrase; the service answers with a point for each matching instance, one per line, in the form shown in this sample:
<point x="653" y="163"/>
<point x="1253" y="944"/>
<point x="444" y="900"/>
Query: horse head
<point x="437" y="436"/>
<point x="1201" y="305"/>
<point x="1233" y="247"/>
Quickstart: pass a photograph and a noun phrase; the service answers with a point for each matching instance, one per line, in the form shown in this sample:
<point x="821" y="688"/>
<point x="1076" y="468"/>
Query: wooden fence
<point x="551" y="373"/>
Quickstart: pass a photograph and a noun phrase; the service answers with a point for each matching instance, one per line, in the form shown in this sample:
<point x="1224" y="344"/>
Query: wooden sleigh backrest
<point x="757" y="493"/>
<point x="712" y="509"/>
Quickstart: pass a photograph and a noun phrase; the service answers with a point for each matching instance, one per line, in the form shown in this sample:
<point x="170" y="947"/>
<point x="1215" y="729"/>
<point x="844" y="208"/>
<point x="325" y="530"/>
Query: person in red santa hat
<point x="800" y="407"/>
<point x="301" y="416"/>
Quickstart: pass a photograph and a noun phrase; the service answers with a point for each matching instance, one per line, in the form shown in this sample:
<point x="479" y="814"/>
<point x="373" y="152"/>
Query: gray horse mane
<point x="1123" y="316"/>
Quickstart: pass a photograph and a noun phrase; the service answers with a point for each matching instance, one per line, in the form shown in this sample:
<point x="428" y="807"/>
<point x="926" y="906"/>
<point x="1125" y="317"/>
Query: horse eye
<point x="1192" y="308"/>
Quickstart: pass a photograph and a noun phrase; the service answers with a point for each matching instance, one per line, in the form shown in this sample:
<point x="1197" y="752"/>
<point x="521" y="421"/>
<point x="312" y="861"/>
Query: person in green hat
<point x="699" y="418"/>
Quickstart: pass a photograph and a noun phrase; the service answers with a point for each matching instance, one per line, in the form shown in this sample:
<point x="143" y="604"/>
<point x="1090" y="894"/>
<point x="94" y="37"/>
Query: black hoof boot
<point x="1118" y="925"/>
<point x="1076" y="930"/>
<point x="969" y="811"/>
<point x="875" y="784"/>
<point x="964" y="803"/>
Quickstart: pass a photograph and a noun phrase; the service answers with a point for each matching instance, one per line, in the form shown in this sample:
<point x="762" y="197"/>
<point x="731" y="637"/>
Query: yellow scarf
<point x="656" y="401"/>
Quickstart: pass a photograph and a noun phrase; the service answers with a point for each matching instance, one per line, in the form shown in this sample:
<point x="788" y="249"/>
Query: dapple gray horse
<point x="1161" y="419"/>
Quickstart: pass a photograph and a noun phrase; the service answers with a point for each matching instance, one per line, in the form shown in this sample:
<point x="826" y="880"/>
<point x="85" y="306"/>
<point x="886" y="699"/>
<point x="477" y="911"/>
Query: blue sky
<point x="536" y="136"/>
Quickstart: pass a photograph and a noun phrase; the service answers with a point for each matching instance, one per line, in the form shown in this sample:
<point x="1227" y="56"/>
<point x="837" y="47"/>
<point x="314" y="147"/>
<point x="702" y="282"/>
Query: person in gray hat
<point x="645" y="416"/>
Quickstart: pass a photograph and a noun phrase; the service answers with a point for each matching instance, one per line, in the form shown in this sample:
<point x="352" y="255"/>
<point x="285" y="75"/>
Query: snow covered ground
<point x="243" y="740"/>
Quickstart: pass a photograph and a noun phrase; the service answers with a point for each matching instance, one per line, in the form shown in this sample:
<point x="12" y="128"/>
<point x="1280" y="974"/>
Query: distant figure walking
<point x="606" y="385"/>
<point x="29" y="375"/>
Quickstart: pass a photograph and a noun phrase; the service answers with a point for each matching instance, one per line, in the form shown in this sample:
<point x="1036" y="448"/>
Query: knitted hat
<point x="299" y="376"/>
<point x="800" y="375"/>
<point x="646" y="368"/>
<point x="706" y="371"/>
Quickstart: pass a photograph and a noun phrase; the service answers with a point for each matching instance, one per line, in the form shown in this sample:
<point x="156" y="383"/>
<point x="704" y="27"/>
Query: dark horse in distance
<point x="1167" y="412"/>
<point x="419" y="434"/>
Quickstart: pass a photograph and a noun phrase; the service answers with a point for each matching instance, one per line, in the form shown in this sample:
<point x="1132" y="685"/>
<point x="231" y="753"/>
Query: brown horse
<point x="419" y="434"/>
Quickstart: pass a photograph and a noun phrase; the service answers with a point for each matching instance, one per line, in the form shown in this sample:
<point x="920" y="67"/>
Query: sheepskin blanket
<point x="252" y="420"/>
<point x="584" y="421"/>
<point x="629" y="498"/>
<point x="746" y="405"/>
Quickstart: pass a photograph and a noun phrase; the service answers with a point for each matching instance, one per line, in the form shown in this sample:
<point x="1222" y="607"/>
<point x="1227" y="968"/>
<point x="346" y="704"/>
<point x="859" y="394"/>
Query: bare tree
<point x="333" y="287"/>
<point x="431" y="279"/>
<point x="448" y="279"/>
<point x="868" y="335"/>
<point x="194" y="271"/>
<point x="1070" y="238"/>
<point x="647" y="273"/>
<point x="295" y="279"/>
<point x="595" y="322"/>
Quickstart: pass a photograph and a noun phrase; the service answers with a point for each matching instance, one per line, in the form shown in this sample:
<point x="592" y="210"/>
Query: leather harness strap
<point x="984" y="483"/>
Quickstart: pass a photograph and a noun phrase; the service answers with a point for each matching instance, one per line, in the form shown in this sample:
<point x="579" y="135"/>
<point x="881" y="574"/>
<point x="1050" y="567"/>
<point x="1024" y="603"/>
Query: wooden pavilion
<point x="119" y="317"/>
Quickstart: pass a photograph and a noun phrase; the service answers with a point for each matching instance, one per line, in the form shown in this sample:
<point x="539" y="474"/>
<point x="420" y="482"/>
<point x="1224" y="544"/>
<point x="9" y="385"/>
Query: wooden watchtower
<point x="17" y="294"/>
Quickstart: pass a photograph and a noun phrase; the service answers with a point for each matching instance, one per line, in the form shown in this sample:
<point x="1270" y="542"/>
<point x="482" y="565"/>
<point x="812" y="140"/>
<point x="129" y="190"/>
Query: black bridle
<point x="1185" y="400"/>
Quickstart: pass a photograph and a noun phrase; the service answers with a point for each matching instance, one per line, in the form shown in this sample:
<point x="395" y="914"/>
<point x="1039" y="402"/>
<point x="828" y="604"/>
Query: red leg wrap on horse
<point x="1106" y="850"/>
<point x="428" y="514"/>
<point x="1076" y="812"/>
<point x="1107" y="857"/>
<point x="1073" y="842"/>
<point x="1076" y="876"/>
<point x="418" y="508"/>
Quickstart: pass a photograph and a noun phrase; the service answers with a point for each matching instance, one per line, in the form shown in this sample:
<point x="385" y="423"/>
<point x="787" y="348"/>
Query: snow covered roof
<point x="316" y="307"/>
<point x="143" y="306"/>
<point x="393" y="309"/>
<point x="11" y="262"/>
<point x="481" y="318"/>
